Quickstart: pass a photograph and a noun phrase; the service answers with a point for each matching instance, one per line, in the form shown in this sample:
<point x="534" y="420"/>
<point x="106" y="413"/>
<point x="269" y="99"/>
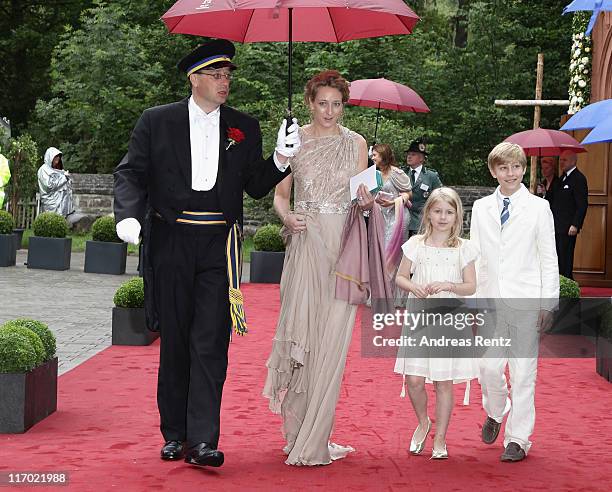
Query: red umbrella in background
<point x="250" y="21"/>
<point x="542" y="142"/>
<point x="385" y="94"/>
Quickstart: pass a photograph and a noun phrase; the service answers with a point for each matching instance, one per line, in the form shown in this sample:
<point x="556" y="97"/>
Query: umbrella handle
<point x="289" y="123"/>
<point x="289" y="84"/>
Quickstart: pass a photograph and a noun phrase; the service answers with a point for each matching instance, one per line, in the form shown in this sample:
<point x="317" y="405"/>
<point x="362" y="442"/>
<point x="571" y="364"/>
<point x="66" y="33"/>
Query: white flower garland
<point x="580" y="64"/>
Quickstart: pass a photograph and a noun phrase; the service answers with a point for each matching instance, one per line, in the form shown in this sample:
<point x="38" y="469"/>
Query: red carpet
<point x="595" y="292"/>
<point x="105" y="432"/>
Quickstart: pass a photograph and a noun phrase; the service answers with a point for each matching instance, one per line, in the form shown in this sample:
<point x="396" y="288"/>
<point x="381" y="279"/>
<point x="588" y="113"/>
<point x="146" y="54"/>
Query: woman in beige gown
<point x="314" y="329"/>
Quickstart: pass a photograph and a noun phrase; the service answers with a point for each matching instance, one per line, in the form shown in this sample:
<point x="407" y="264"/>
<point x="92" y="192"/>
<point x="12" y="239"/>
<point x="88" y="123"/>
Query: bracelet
<point x="366" y="213"/>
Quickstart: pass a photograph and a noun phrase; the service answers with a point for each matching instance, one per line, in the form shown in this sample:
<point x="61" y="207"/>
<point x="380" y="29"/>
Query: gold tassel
<point x="234" y="264"/>
<point x="237" y="312"/>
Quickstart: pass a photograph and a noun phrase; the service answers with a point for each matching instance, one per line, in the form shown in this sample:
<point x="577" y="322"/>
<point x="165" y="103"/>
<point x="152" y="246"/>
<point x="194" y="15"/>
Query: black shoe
<point x="490" y="430"/>
<point x="513" y="452"/>
<point x="172" y="450"/>
<point x="203" y="454"/>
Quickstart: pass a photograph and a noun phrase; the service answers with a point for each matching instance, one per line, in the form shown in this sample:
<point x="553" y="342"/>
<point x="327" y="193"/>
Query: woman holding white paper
<point x="314" y="328"/>
<point x="393" y="197"/>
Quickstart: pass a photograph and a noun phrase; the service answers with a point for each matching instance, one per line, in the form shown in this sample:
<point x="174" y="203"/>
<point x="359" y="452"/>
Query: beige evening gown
<point x="314" y="329"/>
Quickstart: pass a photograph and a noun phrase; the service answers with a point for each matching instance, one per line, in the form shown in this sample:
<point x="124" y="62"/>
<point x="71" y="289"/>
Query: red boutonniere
<point x="234" y="136"/>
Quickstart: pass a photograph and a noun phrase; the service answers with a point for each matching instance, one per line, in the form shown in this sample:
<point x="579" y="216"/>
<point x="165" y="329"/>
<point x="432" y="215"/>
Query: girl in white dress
<point x="436" y="263"/>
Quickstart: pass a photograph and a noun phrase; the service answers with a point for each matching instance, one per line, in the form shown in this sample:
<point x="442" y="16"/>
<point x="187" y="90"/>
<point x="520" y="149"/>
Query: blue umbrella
<point x="596" y="6"/>
<point x="589" y="116"/>
<point x="601" y="133"/>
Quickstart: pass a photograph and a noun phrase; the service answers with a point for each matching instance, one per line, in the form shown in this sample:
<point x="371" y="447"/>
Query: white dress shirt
<point x="417" y="172"/>
<point x="204" y="138"/>
<point x="514" y="198"/>
<point x="567" y="173"/>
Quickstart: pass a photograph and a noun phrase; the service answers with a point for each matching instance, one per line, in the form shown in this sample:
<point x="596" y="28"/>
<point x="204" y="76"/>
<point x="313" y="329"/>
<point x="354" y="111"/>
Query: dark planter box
<point x="49" y="253"/>
<point x="102" y="257"/>
<point x="18" y="237"/>
<point x="266" y="266"/>
<point x="604" y="358"/>
<point x="129" y="327"/>
<point x="27" y="398"/>
<point x="568" y="318"/>
<point x="8" y="252"/>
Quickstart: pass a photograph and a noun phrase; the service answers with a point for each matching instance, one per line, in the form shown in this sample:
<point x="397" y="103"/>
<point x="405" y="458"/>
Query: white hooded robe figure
<point x="55" y="186"/>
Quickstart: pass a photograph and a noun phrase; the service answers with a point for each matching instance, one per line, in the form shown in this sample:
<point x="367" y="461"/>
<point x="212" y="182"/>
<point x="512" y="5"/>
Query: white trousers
<point x="521" y="357"/>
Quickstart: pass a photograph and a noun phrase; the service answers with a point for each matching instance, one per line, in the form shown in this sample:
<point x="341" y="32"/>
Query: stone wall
<point x="468" y="195"/>
<point x="93" y="197"/>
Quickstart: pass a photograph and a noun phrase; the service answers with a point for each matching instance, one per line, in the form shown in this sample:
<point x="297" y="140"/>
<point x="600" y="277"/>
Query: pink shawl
<point x="360" y="269"/>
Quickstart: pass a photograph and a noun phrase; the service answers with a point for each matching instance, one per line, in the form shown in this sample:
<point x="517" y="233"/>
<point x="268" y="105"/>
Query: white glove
<point x="370" y="150"/>
<point x="128" y="230"/>
<point x="284" y="139"/>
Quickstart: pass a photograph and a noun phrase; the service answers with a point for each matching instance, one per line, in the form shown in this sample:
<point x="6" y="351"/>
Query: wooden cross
<point x="538" y="102"/>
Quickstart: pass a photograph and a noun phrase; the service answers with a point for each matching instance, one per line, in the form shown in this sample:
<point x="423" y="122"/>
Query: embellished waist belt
<point x="233" y="255"/>
<point x="321" y="208"/>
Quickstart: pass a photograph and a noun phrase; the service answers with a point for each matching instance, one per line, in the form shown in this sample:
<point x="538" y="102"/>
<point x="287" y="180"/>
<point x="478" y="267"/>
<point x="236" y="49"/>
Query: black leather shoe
<point x="513" y="452"/>
<point x="203" y="454"/>
<point x="490" y="430"/>
<point x="172" y="450"/>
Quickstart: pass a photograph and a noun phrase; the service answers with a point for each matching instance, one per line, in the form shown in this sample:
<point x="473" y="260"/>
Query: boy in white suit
<point x="518" y="266"/>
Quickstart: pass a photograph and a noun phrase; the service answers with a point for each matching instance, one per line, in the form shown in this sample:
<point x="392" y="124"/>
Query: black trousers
<point x="191" y="296"/>
<point x="565" y="254"/>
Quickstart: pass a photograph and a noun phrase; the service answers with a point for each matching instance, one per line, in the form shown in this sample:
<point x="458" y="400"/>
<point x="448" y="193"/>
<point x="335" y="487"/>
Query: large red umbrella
<point x="250" y="21"/>
<point x="385" y="94"/>
<point x="542" y="142"/>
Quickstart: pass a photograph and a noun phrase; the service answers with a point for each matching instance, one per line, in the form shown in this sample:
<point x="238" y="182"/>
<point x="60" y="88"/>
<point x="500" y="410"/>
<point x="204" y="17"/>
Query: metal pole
<point x="376" y="129"/>
<point x="289" y="89"/>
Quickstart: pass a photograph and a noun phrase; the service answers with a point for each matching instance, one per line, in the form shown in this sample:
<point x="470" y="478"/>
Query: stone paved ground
<point x="77" y="306"/>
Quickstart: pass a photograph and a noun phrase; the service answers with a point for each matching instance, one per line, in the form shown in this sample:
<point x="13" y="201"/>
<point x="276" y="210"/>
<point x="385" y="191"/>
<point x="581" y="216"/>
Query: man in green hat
<point x="423" y="179"/>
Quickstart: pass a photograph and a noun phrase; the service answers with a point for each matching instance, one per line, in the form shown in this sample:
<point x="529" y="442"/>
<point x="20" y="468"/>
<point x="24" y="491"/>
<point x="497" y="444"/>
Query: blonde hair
<point x="505" y="153"/>
<point x="450" y="196"/>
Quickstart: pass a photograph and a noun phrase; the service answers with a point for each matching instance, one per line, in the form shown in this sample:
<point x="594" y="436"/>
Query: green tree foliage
<point x="29" y="30"/>
<point x="118" y="59"/>
<point x="104" y="74"/>
<point x="23" y="162"/>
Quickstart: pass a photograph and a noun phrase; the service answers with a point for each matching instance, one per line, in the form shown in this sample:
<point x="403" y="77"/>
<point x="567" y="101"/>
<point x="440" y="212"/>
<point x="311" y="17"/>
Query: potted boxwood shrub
<point x="49" y="248"/>
<point x="105" y="253"/>
<point x="129" y="326"/>
<point x="8" y="246"/>
<point x="28" y="374"/>
<point x="268" y="255"/>
<point x="567" y="319"/>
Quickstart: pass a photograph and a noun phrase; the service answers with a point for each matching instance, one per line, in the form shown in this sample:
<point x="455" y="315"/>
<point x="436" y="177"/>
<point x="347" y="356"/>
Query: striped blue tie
<point x="505" y="213"/>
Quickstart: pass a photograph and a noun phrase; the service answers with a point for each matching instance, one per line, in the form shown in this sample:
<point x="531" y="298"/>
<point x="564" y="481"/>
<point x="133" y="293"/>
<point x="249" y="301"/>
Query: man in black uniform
<point x="569" y="207"/>
<point x="188" y="164"/>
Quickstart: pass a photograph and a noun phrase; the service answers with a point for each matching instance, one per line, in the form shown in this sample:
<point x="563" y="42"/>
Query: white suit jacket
<point x="518" y="261"/>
